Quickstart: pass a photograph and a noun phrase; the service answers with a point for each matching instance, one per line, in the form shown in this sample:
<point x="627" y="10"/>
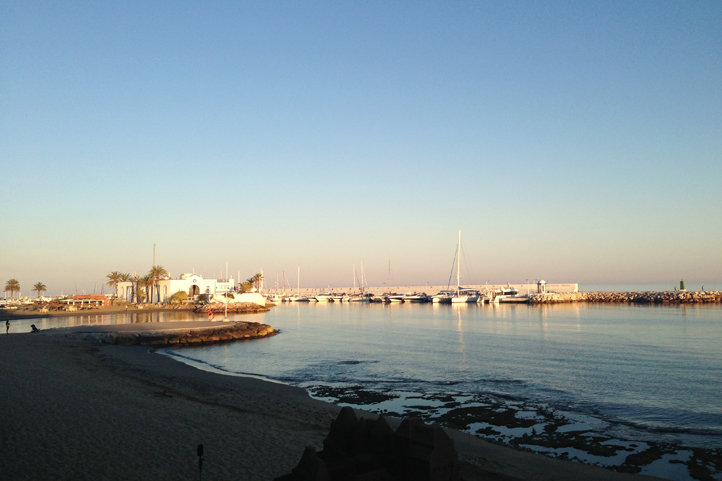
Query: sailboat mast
<point x="299" y="281"/>
<point x="354" y="277"/>
<point x="389" y="286"/>
<point x="458" y="266"/>
<point x="363" y="279"/>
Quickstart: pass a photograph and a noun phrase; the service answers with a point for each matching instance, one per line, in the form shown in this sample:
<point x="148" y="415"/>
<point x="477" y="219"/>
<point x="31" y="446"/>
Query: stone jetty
<point x="233" y="307"/>
<point x="168" y="333"/>
<point x="647" y="297"/>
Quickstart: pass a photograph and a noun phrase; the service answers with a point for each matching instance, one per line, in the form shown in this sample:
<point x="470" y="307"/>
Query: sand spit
<point x="167" y="333"/>
<point x="235" y="308"/>
<point x="79" y="409"/>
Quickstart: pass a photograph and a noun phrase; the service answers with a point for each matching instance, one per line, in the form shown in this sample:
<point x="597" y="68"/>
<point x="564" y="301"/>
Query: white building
<point x="192" y="284"/>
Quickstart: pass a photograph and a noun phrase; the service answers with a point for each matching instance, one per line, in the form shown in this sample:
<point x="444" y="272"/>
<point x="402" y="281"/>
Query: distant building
<point x="192" y="284"/>
<point x="86" y="301"/>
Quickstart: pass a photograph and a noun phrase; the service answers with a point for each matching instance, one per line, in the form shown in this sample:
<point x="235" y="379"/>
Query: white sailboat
<point x="462" y="295"/>
<point x="298" y="297"/>
<point x="360" y="297"/>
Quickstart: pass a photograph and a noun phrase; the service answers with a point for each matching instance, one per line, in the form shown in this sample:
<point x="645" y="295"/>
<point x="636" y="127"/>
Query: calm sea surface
<point x="646" y="374"/>
<point x="652" y="373"/>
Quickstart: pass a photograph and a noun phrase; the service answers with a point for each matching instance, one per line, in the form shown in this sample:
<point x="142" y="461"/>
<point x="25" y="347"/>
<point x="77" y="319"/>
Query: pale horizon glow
<point x="574" y="142"/>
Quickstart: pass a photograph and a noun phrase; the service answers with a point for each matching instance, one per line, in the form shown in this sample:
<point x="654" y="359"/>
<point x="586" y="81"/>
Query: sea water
<point x="633" y="374"/>
<point x="655" y="370"/>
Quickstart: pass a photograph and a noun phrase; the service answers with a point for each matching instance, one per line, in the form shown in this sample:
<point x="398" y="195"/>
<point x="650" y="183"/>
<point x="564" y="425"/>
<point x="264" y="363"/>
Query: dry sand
<point x="72" y="409"/>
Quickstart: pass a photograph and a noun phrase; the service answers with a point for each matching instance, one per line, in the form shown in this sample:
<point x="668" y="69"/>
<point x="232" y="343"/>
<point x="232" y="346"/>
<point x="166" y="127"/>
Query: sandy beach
<point x="74" y="409"/>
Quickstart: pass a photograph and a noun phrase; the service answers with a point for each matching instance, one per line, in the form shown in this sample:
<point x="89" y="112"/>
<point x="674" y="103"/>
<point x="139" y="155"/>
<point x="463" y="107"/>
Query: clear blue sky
<point x="570" y="141"/>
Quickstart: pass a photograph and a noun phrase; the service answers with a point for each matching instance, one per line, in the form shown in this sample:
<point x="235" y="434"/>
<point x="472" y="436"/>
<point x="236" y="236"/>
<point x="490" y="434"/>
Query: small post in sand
<point x="200" y="461"/>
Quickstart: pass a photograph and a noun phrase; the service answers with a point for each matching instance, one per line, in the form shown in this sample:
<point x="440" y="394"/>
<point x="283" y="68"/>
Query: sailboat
<point x="276" y="298"/>
<point x="298" y="297"/>
<point x="361" y="296"/>
<point x="462" y="295"/>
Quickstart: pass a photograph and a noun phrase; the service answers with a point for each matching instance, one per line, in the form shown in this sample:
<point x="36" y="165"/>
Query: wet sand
<point x="74" y="409"/>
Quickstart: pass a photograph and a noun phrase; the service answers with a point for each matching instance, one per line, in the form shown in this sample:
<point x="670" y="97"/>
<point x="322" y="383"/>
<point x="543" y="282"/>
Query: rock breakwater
<point x="212" y="334"/>
<point x="647" y="297"/>
<point x="234" y="307"/>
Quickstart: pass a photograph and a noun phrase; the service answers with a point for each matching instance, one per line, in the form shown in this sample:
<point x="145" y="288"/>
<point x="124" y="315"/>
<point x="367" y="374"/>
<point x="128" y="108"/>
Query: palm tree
<point x="12" y="285"/>
<point x="157" y="273"/>
<point x="255" y="281"/>
<point x="135" y="283"/>
<point x="40" y="287"/>
<point x="113" y="280"/>
<point x="147" y="282"/>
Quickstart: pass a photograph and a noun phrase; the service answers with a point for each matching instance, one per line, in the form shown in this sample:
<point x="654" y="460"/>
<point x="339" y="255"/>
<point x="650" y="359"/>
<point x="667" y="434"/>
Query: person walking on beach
<point x="7" y="326"/>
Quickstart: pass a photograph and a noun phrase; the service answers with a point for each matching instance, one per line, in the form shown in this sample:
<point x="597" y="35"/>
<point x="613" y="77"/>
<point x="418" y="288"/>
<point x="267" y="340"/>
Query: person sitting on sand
<point x="34" y="329"/>
<point x="211" y="316"/>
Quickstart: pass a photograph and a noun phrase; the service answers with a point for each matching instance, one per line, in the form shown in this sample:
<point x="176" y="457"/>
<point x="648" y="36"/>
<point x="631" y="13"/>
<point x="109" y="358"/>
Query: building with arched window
<point x="192" y="284"/>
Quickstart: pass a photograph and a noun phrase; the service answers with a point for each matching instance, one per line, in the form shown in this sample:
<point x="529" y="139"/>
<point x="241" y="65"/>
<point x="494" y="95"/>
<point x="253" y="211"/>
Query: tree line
<point x="140" y="284"/>
<point x="14" y="286"/>
<point x="150" y="283"/>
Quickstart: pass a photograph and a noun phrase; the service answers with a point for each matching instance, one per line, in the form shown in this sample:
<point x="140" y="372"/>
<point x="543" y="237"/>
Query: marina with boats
<point x="460" y="295"/>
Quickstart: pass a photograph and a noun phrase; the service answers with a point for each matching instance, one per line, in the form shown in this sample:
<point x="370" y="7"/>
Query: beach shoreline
<point x="73" y="408"/>
<point x="18" y="314"/>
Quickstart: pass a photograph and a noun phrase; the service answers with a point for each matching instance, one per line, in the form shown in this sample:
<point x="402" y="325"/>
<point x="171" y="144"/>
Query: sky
<point x="569" y="141"/>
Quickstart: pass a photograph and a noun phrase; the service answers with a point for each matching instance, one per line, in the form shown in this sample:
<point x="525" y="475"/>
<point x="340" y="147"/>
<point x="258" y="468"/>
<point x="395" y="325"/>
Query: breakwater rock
<point x="647" y="297"/>
<point x="166" y="335"/>
<point x="234" y="307"/>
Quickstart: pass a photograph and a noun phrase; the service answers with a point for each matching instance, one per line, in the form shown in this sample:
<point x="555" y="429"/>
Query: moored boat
<point x="462" y="295"/>
<point x="416" y="297"/>
<point x="324" y="297"/>
<point x="465" y="296"/>
<point x="443" y="297"/>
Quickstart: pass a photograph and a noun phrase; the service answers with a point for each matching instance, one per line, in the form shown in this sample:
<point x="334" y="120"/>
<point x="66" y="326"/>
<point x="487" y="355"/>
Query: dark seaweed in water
<point x="501" y="415"/>
<point x="355" y="395"/>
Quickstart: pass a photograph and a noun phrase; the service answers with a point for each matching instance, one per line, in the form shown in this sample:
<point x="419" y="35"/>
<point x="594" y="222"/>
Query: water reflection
<point x="23" y="325"/>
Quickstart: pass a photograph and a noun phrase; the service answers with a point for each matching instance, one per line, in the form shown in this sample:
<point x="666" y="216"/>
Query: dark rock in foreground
<point x="367" y="450"/>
